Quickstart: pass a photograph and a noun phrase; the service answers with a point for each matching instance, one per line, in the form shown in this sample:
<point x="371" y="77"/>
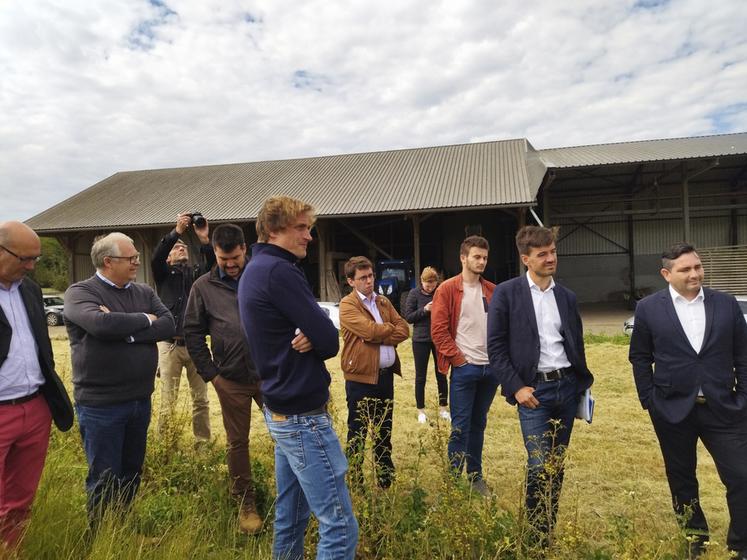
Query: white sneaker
<point x="444" y="414"/>
<point x="422" y="418"/>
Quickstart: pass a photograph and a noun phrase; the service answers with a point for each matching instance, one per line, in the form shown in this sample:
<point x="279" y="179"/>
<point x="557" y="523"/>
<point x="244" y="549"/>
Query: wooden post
<point x="686" y="203"/>
<point x="416" y="244"/>
<point x="521" y="221"/>
<point x="322" y="229"/>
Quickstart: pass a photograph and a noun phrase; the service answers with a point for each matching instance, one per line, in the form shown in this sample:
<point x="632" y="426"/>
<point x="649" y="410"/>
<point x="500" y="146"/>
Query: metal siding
<point x="647" y="150"/>
<point x="469" y="175"/>
<point x="724" y="268"/>
<point x="652" y="236"/>
<point x="581" y="241"/>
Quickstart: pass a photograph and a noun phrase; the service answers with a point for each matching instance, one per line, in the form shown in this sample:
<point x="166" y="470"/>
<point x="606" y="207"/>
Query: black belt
<point x="700" y="399"/>
<point x="553" y="375"/>
<point x="177" y="341"/>
<point x="21" y="400"/>
<point x="384" y="370"/>
<point x="277" y="417"/>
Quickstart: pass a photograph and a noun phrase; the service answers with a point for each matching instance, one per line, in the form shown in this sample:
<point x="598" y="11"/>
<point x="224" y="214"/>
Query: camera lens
<point x="198" y="220"/>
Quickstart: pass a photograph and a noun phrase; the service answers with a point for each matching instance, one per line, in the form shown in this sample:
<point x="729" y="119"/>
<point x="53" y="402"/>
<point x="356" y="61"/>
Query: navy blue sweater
<point x="275" y="299"/>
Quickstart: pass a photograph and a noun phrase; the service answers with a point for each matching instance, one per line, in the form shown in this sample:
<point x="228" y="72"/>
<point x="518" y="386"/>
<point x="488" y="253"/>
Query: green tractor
<point x="394" y="279"/>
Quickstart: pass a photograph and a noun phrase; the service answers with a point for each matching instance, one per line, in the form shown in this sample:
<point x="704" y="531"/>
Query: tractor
<point x="394" y="279"/>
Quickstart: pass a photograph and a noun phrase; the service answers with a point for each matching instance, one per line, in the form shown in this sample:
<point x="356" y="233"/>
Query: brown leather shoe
<point x="250" y="522"/>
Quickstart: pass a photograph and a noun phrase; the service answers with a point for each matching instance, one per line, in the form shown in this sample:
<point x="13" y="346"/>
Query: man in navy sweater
<point x="290" y="337"/>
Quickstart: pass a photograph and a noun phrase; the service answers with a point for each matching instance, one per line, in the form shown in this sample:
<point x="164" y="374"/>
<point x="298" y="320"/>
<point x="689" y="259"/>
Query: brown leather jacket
<point x="362" y="336"/>
<point x="445" y="311"/>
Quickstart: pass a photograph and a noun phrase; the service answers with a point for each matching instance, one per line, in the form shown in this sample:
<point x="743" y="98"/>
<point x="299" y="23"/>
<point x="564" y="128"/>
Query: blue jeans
<point x="114" y="438"/>
<point x="471" y="392"/>
<point x="310" y="472"/>
<point x="547" y="432"/>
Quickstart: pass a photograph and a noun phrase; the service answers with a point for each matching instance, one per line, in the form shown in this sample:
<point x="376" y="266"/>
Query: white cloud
<point x="90" y="89"/>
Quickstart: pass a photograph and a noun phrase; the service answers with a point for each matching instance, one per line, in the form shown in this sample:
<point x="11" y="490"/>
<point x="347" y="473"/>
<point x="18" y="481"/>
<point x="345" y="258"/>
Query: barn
<point x="617" y="206"/>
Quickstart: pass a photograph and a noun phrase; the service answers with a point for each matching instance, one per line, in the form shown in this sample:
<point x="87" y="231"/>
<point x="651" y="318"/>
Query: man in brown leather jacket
<point x="371" y="329"/>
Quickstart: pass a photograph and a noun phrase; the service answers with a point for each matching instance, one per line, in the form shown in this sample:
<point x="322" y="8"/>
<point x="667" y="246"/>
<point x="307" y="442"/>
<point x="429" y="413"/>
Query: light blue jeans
<point x="310" y="469"/>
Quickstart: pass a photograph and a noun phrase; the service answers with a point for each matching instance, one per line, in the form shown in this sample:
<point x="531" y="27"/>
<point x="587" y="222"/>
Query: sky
<point x="88" y="89"/>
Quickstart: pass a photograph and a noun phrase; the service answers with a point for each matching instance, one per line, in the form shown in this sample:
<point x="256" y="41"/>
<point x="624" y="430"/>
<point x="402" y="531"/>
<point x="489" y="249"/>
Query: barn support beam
<point x="373" y="247"/>
<point x="322" y="230"/>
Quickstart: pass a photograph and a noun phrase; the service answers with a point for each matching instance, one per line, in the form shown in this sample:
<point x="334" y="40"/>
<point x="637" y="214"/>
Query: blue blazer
<point x="513" y="338"/>
<point x="668" y="372"/>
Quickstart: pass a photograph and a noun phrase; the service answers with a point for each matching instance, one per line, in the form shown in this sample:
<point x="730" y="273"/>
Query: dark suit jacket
<point x="513" y="338"/>
<point x="53" y="390"/>
<point x="667" y="370"/>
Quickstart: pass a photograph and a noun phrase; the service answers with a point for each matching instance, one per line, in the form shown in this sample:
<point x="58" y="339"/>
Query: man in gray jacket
<point x="113" y="324"/>
<point x="212" y="309"/>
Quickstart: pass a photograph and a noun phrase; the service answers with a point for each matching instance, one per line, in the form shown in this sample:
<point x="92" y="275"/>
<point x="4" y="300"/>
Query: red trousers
<point x="24" y="437"/>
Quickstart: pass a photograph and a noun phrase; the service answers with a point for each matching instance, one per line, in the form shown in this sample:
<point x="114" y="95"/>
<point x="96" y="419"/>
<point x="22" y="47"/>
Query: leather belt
<point x="177" y="341"/>
<point x="20" y="400"/>
<point x="554" y="375"/>
<point x="276" y="417"/>
<point x="385" y="370"/>
<point x="700" y="399"/>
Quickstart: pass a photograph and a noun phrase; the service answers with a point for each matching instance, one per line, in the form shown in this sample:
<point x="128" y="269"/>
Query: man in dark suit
<point x="31" y="393"/>
<point x="689" y="356"/>
<point x="536" y="346"/>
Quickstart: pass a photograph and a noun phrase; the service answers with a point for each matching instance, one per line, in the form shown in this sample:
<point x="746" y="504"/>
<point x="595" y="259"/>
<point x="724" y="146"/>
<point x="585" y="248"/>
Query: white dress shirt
<point x="386" y="353"/>
<point x="691" y="315"/>
<point x="552" y="352"/>
<point x="692" y="318"/>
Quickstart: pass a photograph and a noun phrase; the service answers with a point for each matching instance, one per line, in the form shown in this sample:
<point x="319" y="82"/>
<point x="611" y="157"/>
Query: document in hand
<point x="585" y="409"/>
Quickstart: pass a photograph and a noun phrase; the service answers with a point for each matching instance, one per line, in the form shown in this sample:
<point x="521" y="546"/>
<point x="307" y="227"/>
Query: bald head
<point x="19" y="247"/>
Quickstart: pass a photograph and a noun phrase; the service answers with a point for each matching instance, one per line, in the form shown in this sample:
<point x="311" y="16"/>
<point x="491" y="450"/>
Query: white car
<point x="332" y="310"/>
<point x="629" y="322"/>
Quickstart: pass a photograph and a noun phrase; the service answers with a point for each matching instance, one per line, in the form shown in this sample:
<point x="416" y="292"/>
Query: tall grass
<point x="615" y="501"/>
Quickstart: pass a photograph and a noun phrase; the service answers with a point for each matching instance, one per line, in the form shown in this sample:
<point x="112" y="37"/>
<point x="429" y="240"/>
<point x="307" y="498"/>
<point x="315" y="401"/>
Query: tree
<point x="52" y="269"/>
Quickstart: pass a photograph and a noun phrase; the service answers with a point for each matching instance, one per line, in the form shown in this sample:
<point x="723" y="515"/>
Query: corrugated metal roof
<point x="646" y="151"/>
<point x="503" y="173"/>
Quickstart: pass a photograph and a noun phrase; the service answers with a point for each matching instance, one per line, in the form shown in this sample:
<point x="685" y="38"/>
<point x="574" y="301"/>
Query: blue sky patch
<point x="143" y="36"/>
<point x="303" y="79"/>
<point x="724" y="119"/>
<point x="649" y="4"/>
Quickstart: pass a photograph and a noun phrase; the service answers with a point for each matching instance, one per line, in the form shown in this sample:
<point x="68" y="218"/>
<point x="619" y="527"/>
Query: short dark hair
<point x="356" y="263"/>
<point x="228" y="237"/>
<point x="675" y="252"/>
<point x="534" y="236"/>
<point x="473" y="241"/>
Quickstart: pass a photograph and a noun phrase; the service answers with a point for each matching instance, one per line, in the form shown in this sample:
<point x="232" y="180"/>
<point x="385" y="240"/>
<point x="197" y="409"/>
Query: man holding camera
<point x="174" y="276"/>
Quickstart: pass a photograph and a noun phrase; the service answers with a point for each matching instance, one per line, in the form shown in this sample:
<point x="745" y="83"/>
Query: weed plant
<point x="615" y="502"/>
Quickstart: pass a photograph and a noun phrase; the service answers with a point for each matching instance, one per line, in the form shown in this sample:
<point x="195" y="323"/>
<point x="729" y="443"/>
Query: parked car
<point x="630" y="321"/>
<point x="332" y="310"/>
<point x="53" y="305"/>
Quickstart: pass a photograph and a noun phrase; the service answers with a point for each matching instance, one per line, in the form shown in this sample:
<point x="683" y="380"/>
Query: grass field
<point x="615" y="502"/>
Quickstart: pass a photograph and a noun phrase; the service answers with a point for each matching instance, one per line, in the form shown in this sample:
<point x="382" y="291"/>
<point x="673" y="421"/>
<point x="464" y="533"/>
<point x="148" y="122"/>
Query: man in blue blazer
<point x="689" y="356"/>
<point x="536" y="346"/>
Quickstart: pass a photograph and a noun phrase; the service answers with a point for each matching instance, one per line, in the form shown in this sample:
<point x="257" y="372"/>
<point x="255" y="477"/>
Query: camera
<point x="198" y="220"/>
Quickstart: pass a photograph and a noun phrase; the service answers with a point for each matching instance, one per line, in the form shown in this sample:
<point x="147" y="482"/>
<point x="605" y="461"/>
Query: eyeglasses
<point x="23" y="260"/>
<point x="134" y="259"/>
